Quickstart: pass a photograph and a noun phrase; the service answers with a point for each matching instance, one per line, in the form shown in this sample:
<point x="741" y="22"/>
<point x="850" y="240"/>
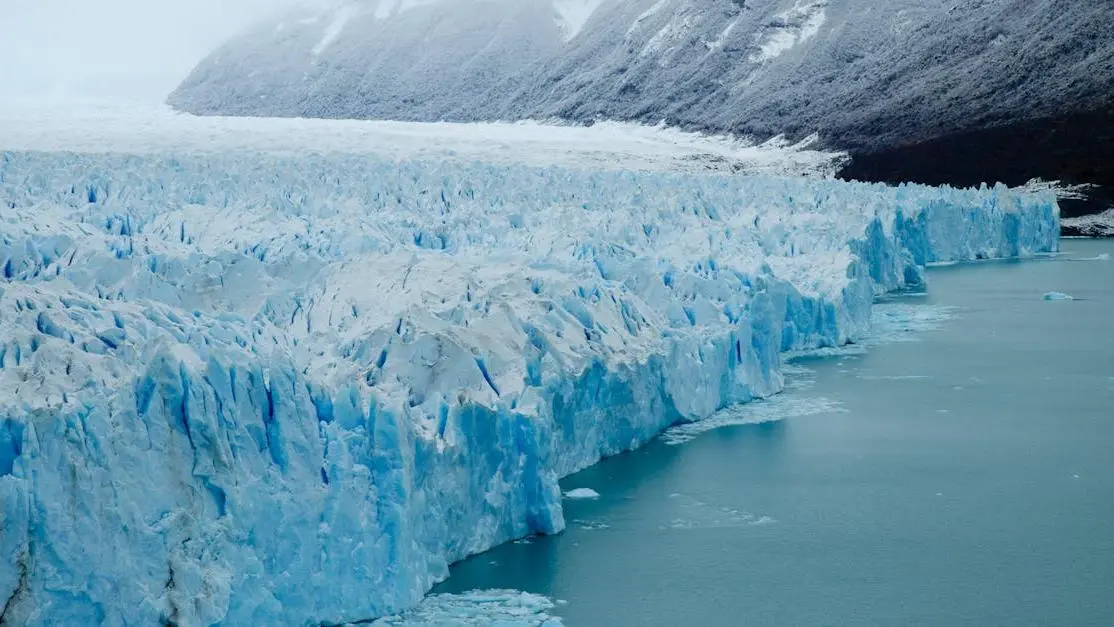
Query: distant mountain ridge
<point x="1028" y="84"/>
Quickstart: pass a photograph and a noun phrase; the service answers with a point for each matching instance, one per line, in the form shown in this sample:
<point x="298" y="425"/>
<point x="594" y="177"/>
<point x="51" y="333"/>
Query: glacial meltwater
<point x="959" y="470"/>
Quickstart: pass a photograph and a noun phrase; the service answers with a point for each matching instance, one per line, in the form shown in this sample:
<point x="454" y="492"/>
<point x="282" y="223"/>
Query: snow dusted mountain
<point x="430" y="57"/>
<point x="934" y="91"/>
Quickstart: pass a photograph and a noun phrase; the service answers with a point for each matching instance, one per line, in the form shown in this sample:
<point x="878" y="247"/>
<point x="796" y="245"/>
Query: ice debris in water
<point x="582" y="493"/>
<point x="1058" y="296"/>
<point x="248" y="387"/>
<point x="686" y="512"/>
<point x="505" y="608"/>
<point x="781" y="407"/>
<point x="895" y="322"/>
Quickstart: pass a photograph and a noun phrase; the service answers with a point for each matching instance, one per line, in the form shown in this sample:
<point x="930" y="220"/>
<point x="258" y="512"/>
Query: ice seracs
<point x="1097" y="225"/>
<point x="282" y="386"/>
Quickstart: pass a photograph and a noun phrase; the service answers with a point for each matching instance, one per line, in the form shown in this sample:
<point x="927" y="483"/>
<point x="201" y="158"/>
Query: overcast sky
<point x="133" y="49"/>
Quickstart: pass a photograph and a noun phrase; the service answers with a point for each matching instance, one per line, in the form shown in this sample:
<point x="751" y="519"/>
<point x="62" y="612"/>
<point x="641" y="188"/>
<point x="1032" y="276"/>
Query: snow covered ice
<point x="253" y="376"/>
<point x="1098" y="225"/>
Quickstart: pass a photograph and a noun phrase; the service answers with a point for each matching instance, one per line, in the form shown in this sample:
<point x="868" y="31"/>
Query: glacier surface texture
<point x="290" y="388"/>
<point x="1099" y="225"/>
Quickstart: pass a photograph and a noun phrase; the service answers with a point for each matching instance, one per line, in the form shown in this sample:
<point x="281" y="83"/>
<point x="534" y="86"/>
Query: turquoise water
<point x="965" y="478"/>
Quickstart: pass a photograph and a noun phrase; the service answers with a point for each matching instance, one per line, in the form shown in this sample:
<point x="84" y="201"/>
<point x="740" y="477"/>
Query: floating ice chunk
<point x="582" y="493"/>
<point x="1058" y="296"/>
<point x="506" y="608"/>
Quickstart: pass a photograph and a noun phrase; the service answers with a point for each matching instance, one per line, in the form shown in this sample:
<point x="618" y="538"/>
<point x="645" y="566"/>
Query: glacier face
<point x="290" y="388"/>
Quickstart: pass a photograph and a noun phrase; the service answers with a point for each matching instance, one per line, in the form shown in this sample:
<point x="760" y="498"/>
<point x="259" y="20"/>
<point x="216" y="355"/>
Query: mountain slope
<point x="427" y="58"/>
<point x="889" y="82"/>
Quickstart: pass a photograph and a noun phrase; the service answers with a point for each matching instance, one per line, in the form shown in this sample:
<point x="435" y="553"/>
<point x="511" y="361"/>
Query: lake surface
<point x="963" y="478"/>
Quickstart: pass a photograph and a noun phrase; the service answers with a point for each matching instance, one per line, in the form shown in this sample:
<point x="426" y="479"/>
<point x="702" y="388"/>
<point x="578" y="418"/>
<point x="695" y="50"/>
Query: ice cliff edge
<point x="293" y="389"/>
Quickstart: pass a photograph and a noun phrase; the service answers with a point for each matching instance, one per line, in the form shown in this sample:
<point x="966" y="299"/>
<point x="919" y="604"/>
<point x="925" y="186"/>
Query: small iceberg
<point x="582" y="493"/>
<point x="1058" y="296"/>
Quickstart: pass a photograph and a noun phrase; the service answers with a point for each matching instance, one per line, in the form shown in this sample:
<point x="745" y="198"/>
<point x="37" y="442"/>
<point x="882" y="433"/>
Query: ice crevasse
<point x="293" y="390"/>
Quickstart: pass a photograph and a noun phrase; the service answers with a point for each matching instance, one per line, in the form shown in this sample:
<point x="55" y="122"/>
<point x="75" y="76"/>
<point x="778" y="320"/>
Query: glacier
<point x="1096" y="225"/>
<point x="290" y="386"/>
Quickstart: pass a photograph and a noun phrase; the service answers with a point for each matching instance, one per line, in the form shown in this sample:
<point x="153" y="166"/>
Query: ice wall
<point x="268" y="389"/>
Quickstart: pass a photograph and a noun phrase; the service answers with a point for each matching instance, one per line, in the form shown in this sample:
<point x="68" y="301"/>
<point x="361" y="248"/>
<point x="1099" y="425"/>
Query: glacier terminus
<point x="270" y="374"/>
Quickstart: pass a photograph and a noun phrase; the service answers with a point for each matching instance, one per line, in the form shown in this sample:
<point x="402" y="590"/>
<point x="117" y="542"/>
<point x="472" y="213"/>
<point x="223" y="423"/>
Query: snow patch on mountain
<point x="646" y="15"/>
<point x="340" y="19"/>
<point x="721" y="40"/>
<point x="671" y="36"/>
<point x="572" y="15"/>
<point x="789" y="29"/>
